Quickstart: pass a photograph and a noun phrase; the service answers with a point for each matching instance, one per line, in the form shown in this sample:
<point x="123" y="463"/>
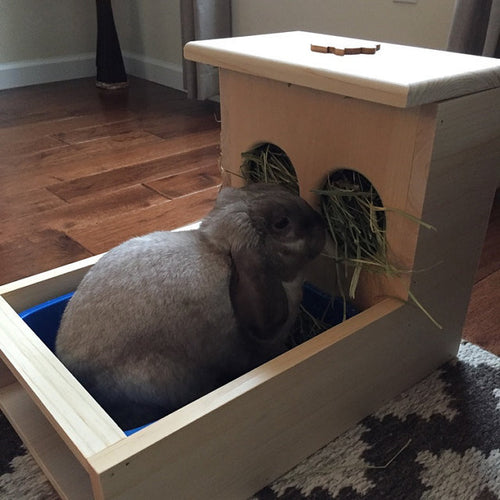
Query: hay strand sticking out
<point x="269" y="163"/>
<point x="355" y="220"/>
<point x="354" y="216"/>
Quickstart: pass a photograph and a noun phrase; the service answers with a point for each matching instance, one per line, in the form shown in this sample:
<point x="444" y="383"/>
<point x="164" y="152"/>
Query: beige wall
<point x="150" y="32"/>
<point x="150" y="28"/>
<point x="424" y="24"/>
<point x="38" y="29"/>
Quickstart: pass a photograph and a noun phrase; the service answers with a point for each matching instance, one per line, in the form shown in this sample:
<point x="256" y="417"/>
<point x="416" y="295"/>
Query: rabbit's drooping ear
<point x="259" y="300"/>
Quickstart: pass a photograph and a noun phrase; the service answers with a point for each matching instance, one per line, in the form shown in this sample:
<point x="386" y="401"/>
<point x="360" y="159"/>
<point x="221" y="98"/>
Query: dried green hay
<point x="356" y="222"/>
<point x="269" y="163"/>
<point x="306" y="327"/>
<point x="355" y="219"/>
<point x="319" y="311"/>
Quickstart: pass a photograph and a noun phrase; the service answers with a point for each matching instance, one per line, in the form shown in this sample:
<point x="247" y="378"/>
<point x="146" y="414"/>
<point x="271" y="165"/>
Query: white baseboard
<point x="23" y="73"/>
<point x="154" y="70"/>
<point x="52" y="69"/>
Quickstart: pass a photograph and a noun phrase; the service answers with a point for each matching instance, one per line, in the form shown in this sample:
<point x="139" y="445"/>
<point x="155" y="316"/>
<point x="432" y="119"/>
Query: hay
<point x="270" y="164"/>
<point x="355" y="220"/>
<point x="306" y="327"/>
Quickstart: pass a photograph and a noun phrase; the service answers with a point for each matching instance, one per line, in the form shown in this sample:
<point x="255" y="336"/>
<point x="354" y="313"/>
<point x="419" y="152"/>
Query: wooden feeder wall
<point x="321" y="132"/>
<point x="429" y="144"/>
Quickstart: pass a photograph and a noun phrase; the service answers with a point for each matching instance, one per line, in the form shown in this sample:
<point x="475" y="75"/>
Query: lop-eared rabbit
<point x="164" y="318"/>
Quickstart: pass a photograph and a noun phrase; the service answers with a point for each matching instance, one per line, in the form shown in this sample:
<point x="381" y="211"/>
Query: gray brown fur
<point x="164" y="318"/>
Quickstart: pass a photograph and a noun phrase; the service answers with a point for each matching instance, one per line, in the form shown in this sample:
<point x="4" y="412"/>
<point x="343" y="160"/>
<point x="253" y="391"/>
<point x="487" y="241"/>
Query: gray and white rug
<point x="439" y="440"/>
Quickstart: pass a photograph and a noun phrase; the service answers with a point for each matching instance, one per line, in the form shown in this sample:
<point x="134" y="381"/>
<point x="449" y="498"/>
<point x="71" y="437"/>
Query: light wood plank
<point x="321" y="133"/>
<point x="32" y="290"/>
<point x="396" y="75"/>
<point x="459" y="194"/>
<point x="82" y="423"/>
<point x="304" y="398"/>
<point x="66" y="474"/>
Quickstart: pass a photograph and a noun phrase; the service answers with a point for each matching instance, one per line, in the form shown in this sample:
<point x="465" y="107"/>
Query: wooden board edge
<point x="33" y="290"/>
<point x="268" y="427"/>
<point x="66" y="474"/>
<point x="81" y="422"/>
<point x="27" y="292"/>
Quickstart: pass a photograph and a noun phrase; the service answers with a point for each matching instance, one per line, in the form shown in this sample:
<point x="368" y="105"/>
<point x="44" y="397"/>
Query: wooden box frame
<point x="235" y="440"/>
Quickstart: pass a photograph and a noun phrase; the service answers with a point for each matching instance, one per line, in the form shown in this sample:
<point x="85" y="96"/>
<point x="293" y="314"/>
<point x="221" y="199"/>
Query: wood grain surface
<point x="82" y="170"/>
<point x="397" y="75"/>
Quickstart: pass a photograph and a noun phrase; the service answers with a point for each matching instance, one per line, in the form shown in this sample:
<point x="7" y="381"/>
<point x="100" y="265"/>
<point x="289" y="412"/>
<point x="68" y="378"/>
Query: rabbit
<point x="165" y="318"/>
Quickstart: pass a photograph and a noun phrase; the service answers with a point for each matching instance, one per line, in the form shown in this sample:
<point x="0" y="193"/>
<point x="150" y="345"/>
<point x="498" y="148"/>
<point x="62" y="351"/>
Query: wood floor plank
<point x="134" y="173"/>
<point x="57" y="100"/>
<point x="99" y="132"/>
<point x="85" y="162"/>
<point x="180" y="122"/>
<point x="19" y="204"/>
<point x="72" y="162"/>
<point x="87" y="212"/>
<point x="174" y="124"/>
<point x="177" y="185"/>
<point x="28" y="147"/>
<point x="40" y="251"/>
<point x="169" y="215"/>
<point x="33" y="131"/>
<point x="124" y="141"/>
<point x="36" y="158"/>
<point x="94" y="212"/>
<point x="482" y="324"/>
<point x="490" y="255"/>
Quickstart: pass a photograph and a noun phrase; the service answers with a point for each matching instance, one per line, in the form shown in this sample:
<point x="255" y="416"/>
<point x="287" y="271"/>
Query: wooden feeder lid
<point x="396" y="75"/>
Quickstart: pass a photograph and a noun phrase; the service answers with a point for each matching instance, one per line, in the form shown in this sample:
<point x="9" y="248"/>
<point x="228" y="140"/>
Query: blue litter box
<point x="44" y="319"/>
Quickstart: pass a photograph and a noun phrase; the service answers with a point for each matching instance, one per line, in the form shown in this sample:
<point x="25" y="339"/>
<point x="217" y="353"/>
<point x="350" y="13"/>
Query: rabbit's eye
<point x="282" y="223"/>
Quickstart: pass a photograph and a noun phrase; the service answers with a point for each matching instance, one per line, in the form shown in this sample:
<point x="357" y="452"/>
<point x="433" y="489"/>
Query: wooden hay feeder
<point x="423" y="127"/>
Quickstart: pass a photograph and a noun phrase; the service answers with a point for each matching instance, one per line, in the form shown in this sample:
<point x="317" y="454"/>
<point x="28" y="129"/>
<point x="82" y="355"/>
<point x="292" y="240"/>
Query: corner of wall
<point x="32" y="72"/>
<point x="154" y="70"/>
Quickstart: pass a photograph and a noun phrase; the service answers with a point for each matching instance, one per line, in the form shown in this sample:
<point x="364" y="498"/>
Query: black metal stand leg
<point x="110" y="69"/>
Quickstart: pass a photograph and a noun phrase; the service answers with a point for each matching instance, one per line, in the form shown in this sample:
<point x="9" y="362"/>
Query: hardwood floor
<point x="83" y="169"/>
<point x="482" y="324"/>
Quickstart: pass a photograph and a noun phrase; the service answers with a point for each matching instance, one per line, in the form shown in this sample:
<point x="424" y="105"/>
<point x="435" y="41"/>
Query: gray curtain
<point x="476" y="28"/>
<point x="202" y="20"/>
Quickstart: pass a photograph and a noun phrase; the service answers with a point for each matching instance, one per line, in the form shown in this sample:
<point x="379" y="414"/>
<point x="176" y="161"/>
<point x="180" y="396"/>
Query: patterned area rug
<point x="439" y="440"/>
